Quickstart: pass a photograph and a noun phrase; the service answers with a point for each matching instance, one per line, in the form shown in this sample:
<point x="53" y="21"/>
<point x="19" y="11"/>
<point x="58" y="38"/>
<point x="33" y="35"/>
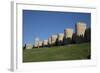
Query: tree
<point x="87" y="35"/>
<point x="77" y="38"/>
<point x="59" y="42"/>
<point x="67" y="41"/>
<point x="80" y="39"/>
<point x="74" y="38"/>
<point x="64" y="40"/>
<point x="24" y="47"/>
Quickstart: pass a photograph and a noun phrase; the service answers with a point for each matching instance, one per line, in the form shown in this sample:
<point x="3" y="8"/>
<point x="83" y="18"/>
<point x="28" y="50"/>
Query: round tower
<point x="68" y="33"/>
<point x="49" y="40"/>
<point x="60" y="36"/>
<point x="40" y="43"/>
<point x="53" y="39"/>
<point x="80" y="28"/>
<point x="45" y="43"/>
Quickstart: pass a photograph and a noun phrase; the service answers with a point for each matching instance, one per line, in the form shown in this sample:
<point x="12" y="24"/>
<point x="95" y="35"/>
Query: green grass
<point x="58" y="53"/>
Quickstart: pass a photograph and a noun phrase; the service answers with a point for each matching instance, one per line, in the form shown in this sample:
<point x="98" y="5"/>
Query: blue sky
<point x="43" y="24"/>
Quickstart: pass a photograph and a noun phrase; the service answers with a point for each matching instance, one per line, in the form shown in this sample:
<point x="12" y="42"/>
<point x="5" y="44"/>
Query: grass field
<point x="58" y="53"/>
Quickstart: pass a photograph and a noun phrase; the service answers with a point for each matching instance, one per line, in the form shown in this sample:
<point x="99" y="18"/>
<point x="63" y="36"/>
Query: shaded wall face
<point x="80" y="29"/>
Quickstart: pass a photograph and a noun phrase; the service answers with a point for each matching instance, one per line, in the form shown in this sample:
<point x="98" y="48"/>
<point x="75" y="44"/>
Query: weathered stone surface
<point x="80" y="28"/>
<point x="60" y="36"/>
<point x="40" y="43"/>
<point x="68" y="32"/>
<point x="53" y="39"/>
<point x="45" y="42"/>
<point x="49" y="41"/>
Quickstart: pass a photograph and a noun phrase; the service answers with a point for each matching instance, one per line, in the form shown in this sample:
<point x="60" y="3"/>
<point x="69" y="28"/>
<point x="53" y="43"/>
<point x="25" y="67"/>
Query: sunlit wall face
<point x="80" y="28"/>
<point x="68" y="33"/>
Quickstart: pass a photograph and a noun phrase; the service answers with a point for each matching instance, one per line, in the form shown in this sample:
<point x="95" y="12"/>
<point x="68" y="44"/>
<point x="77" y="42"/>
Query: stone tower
<point x="45" y="42"/>
<point x="53" y="39"/>
<point x="49" y="40"/>
<point x="60" y="36"/>
<point x="68" y="33"/>
<point x="80" y="28"/>
<point x="40" y="43"/>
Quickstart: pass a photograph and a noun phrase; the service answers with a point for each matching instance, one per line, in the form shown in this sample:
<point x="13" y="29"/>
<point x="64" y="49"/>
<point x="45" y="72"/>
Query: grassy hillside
<point x="68" y="52"/>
